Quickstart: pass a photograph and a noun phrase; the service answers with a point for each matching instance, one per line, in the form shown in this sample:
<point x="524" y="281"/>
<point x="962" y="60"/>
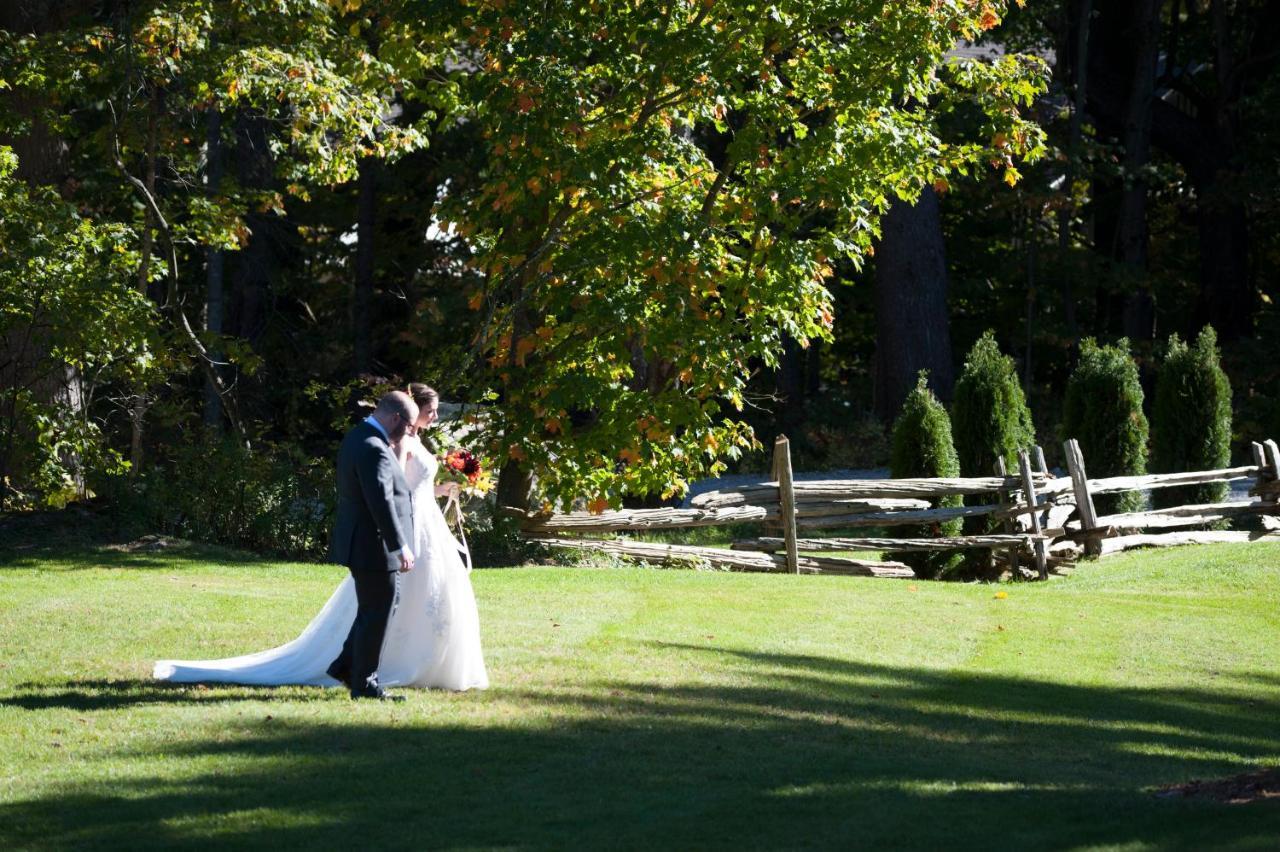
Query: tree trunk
<point x="42" y="154"/>
<point x="255" y="267"/>
<point x="813" y="370"/>
<point x="1133" y="236"/>
<point x="1204" y="141"/>
<point x="1075" y="66"/>
<point x="789" y="385"/>
<point x="138" y="406"/>
<point x="366" y="224"/>
<point x="515" y="486"/>
<point x="913" y="326"/>
<point x="215" y="296"/>
<point x="42" y="161"/>
<point x="1227" y="299"/>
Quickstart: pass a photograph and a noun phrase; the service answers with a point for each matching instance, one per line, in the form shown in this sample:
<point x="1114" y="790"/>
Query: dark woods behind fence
<point x="1045" y="522"/>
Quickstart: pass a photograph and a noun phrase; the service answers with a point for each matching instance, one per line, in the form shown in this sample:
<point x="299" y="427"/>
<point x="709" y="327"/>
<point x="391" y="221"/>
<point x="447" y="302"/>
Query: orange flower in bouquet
<point x="463" y="467"/>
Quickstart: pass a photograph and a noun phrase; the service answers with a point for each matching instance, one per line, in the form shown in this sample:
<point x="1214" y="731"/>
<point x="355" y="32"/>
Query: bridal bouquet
<point x="463" y="467"/>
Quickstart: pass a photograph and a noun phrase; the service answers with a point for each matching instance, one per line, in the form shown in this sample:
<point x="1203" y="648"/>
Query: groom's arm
<point x="376" y="482"/>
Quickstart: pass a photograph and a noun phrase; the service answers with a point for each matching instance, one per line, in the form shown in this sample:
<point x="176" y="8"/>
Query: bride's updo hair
<point x="425" y="396"/>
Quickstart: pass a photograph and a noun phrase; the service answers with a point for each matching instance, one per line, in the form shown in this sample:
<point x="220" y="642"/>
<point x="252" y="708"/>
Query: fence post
<point x="1029" y="491"/>
<point x="1271" y="452"/>
<point x="1084" y="500"/>
<point x="1261" y="480"/>
<point x="1002" y="496"/>
<point x="1043" y="468"/>
<point x="787" y="500"/>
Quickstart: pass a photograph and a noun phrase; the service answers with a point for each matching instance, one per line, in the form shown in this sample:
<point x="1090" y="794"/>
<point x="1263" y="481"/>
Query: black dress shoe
<point x="377" y="693"/>
<point x="339" y="673"/>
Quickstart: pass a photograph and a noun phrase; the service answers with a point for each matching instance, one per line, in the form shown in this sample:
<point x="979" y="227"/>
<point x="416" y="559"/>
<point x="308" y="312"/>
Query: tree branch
<point x="172" y="302"/>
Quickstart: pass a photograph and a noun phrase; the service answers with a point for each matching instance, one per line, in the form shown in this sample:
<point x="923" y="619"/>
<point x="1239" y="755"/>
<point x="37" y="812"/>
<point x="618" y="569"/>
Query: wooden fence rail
<point x="1183" y="516"/>
<point x="1119" y="484"/>
<point x="647" y="519"/>
<point x="1031" y="507"/>
<point x="767" y="544"/>
<point x="736" y="560"/>
<point x="837" y="489"/>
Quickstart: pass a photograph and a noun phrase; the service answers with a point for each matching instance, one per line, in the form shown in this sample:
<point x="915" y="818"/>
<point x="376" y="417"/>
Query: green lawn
<point x="639" y="708"/>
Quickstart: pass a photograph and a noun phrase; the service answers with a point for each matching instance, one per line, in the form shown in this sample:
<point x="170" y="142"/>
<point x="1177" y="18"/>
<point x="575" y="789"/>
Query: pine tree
<point x="989" y="413"/>
<point x="922" y="447"/>
<point x="1103" y="411"/>
<point x="1191" y="419"/>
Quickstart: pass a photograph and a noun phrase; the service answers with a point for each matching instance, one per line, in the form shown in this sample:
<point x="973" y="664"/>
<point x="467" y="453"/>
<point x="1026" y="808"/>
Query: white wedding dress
<point x="433" y="635"/>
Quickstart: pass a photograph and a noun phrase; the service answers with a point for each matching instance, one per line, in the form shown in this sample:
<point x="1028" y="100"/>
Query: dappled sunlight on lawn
<point x="862" y="752"/>
<point x="642" y="708"/>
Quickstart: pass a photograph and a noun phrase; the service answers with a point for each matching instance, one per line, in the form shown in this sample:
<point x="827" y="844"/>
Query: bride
<point x="433" y="636"/>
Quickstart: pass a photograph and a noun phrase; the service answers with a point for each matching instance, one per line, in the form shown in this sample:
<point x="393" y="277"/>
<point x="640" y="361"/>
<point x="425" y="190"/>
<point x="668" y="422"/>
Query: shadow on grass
<point x="77" y="539"/>
<point x="789" y="751"/>
<point x="123" y="694"/>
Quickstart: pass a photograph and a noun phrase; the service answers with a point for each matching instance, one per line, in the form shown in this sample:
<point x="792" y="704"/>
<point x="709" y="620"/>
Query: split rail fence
<point x="1044" y="522"/>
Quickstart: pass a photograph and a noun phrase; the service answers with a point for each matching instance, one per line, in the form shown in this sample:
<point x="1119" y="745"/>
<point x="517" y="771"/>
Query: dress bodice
<point x="420" y="465"/>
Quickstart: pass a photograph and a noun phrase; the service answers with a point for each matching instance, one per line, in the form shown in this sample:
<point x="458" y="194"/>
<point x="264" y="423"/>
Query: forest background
<point x="638" y="239"/>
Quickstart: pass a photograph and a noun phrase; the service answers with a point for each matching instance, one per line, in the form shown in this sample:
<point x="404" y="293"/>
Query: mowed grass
<point x="637" y="708"/>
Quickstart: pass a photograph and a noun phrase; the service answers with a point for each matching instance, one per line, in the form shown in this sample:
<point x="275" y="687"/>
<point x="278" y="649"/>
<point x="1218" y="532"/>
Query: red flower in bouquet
<point x="463" y="467"/>
<point x="465" y="463"/>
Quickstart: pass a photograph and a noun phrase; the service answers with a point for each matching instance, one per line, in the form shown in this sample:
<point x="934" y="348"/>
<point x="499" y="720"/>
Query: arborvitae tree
<point x="922" y="447"/>
<point x="1103" y="411"/>
<point x="1191" y="419"/>
<point x="989" y="413"/>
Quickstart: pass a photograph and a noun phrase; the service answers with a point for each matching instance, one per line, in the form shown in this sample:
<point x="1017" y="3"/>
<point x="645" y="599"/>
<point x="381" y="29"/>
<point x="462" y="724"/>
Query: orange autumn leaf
<point x="516" y="453"/>
<point x="989" y="19"/>
<point x="597" y="505"/>
<point x="629" y="455"/>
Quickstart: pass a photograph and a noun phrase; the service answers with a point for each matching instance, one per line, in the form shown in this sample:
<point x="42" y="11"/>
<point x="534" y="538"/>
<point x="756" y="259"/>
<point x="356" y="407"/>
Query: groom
<point x="372" y="536"/>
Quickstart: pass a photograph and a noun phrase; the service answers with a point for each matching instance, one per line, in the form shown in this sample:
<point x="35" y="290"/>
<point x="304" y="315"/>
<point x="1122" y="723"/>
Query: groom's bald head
<point x="396" y="412"/>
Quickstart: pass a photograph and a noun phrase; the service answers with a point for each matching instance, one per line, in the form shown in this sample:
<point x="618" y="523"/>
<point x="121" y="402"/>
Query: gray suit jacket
<point x="375" y="506"/>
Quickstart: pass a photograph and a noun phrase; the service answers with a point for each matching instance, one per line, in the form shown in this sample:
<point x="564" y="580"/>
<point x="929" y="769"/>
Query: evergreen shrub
<point x="1191" y="419"/>
<point x="1103" y="411"/>
<point x="922" y="447"/>
<point x="990" y="420"/>
<point x="989" y="413"/>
